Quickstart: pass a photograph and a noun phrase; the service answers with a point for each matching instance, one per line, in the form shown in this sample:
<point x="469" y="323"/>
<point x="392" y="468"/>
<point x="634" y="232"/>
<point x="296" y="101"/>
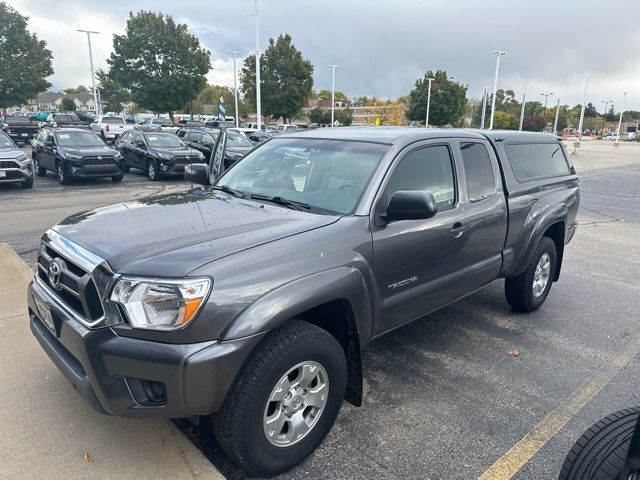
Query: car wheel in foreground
<point x="28" y="183"/>
<point x="600" y="453"/>
<point x="41" y="172"/>
<point x="527" y="291"/>
<point x="117" y="178"/>
<point x="152" y="170"/>
<point x="62" y="175"/>
<point x="284" y="401"/>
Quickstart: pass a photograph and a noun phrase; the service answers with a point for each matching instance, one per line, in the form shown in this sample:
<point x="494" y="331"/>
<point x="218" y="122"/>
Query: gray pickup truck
<point x="251" y="298"/>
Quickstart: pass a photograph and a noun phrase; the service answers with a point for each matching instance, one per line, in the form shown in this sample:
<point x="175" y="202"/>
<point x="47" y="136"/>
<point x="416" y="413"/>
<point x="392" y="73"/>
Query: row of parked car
<point x="79" y="153"/>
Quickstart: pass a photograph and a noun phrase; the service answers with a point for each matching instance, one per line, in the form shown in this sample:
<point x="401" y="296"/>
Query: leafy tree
<point x="631" y="115"/>
<point x="286" y="79"/>
<point x="590" y="110"/>
<point x="611" y="114"/>
<point x="78" y="89"/>
<point x="361" y="101"/>
<point x="159" y="62"/>
<point x="448" y="100"/>
<point x="25" y="62"/>
<point x="68" y="105"/>
<point x="533" y="108"/>
<point x="533" y="123"/>
<point x="211" y="94"/>
<point x="112" y="95"/>
<point x="316" y="115"/>
<point x="326" y="95"/>
<point x="505" y="121"/>
<point x="344" y="116"/>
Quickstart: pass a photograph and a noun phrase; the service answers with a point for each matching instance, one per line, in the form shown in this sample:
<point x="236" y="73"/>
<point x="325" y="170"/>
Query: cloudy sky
<point x="383" y="46"/>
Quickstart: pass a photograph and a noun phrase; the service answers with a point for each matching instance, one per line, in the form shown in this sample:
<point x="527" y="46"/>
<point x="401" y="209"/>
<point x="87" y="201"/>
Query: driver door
<point x="216" y="162"/>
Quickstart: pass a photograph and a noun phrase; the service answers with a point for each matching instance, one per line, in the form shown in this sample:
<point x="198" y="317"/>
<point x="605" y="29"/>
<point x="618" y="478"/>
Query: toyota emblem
<point x="54" y="273"/>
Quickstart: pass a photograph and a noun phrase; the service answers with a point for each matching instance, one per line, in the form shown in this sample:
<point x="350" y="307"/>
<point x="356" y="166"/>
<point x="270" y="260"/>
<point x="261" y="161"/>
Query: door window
<point x="481" y="181"/>
<point x="428" y="169"/>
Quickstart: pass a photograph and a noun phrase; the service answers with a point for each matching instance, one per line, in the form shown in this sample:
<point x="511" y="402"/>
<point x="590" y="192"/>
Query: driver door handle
<point x="457" y="230"/>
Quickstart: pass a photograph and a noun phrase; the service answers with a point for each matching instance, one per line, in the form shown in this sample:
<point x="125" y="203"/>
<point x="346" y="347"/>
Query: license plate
<point x="25" y="135"/>
<point x="45" y="315"/>
<point x="3" y="174"/>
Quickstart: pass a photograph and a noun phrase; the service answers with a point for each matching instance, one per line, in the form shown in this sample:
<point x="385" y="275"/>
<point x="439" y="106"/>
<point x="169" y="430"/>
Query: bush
<point x="68" y="105"/>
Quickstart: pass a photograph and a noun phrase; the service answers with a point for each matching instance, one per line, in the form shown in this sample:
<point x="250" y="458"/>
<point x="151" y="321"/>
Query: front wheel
<point x="117" y="178"/>
<point x="152" y="170"/>
<point x="284" y="401"/>
<point x="62" y="175"/>
<point x="41" y="172"/>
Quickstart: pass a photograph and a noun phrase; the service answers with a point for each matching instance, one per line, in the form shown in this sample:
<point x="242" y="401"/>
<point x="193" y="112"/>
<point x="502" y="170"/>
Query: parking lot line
<point x="512" y="461"/>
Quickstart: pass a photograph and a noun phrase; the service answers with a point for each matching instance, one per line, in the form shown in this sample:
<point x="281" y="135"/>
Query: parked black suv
<point x="203" y="140"/>
<point x="252" y="299"/>
<point x="75" y="153"/>
<point x="19" y="128"/>
<point x="15" y="165"/>
<point x="157" y="153"/>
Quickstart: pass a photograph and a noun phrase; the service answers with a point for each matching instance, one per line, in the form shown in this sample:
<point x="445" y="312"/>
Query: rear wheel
<point x="152" y="170"/>
<point x="284" y="401"/>
<point x="527" y="291"/>
<point x="600" y="453"/>
<point x="62" y="175"/>
<point x="40" y="171"/>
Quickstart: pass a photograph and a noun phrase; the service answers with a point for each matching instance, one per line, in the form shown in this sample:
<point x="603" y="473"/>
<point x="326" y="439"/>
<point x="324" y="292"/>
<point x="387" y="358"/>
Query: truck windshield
<point x="79" y="139"/>
<point x="327" y="175"/>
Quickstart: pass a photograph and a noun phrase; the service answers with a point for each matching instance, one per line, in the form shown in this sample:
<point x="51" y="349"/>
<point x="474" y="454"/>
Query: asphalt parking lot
<point x="444" y="399"/>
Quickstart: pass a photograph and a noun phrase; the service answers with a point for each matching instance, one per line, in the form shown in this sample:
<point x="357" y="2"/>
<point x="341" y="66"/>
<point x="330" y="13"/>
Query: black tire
<point x="238" y="425"/>
<point x="27" y="183"/>
<point x="102" y="135"/>
<point x="601" y="451"/>
<point x="62" y="175"/>
<point x="40" y="171"/>
<point x="519" y="289"/>
<point x="126" y="168"/>
<point x="117" y="178"/>
<point x="152" y="170"/>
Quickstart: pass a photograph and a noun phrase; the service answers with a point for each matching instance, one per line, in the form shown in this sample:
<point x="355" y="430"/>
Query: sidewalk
<point x="48" y="432"/>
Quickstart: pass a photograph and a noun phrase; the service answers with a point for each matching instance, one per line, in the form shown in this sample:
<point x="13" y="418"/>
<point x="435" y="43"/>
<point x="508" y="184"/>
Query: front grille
<point x="99" y="161"/>
<point x="182" y="160"/>
<point x="9" y="164"/>
<point x="73" y="286"/>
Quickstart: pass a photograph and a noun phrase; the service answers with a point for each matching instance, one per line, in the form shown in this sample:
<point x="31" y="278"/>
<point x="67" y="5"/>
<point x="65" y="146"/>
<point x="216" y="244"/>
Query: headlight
<point x="71" y="156"/>
<point x="201" y="156"/>
<point x="160" y="304"/>
<point x="23" y="159"/>
<point x="118" y="156"/>
<point x="166" y="156"/>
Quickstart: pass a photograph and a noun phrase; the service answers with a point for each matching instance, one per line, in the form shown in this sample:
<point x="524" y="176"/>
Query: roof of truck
<point x="390" y="135"/>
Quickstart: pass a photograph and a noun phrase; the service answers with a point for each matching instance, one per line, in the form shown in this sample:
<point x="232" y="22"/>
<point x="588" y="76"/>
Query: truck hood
<point x="173" y="234"/>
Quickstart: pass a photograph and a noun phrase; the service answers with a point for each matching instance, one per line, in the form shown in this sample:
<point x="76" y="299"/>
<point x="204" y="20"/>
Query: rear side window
<point x="537" y="160"/>
<point x="481" y="180"/>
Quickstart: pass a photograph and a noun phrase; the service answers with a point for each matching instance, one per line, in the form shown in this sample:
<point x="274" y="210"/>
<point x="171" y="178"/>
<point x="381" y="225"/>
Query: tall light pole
<point x="258" y="106"/>
<point x="624" y="96"/>
<point x="93" y="75"/>
<point x="235" y="86"/>
<point x="484" y="108"/>
<point x="498" y="54"/>
<point x="606" y="106"/>
<point x="426" y="120"/>
<point x="544" y="112"/>
<point x="584" y="100"/>
<point x="555" y="122"/>
<point x="333" y="92"/>
<point x="524" y="98"/>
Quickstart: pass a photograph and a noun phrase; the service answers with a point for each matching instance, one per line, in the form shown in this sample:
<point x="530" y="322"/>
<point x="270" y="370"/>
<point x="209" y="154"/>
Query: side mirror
<point x="197" y="173"/>
<point x="411" y="205"/>
<point x="140" y="144"/>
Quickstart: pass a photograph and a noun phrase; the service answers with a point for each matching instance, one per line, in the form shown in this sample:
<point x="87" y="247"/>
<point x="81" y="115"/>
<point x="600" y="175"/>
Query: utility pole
<point x="606" y="106"/>
<point x="258" y="106"/>
<point x="235" y="86"/>
<point x="544" y="112"/>
<point x="524" y="96"/>
<point x="333" y="92"/>
<point x="498" y="53"/>
<point x="584" y="101"/>
<point x="426" y="121"/>
<point x="624" y="96"/>
<point x="555" y="122"/>
<point x="93" y="75"/>
<point x="484" y="108"/>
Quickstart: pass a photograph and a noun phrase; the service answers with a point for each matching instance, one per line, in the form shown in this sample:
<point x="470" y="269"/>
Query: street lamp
<point x="93" y="76"/>
<point x="235" y="86"/>
<point x="484" y="107"/>
<point x="258" y="108"/>
<point x="544" y="112"/>
<point x="333" y="92"/>
<point x="555" y="123"/>
<point x="624" y="96"/>
<point x="498" y="54"/>
<point x="584" y="100"/>
<point x="606" y="107"/>
<point x="426" y="120"/>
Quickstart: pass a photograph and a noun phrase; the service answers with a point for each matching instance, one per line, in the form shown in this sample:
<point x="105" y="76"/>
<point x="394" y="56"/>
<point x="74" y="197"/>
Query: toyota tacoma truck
<point x="251" y="297"/>
<point x="110" y="127"/>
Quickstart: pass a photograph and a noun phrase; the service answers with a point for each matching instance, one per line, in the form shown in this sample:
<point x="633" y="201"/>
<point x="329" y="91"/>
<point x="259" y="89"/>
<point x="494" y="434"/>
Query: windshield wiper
<point x="281" y="201"/>
<point x="229" y="190"/>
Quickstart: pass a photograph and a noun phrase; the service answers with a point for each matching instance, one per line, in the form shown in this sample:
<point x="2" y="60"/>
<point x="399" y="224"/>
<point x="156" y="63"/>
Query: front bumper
<point x="136" y="378"/>
<point x="96" y="171"/>
<point x="169" y="167"/>
<point x="16" y="174"/>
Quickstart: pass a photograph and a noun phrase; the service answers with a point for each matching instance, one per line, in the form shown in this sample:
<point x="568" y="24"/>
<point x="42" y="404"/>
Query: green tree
<point x="611" y="115"/>
<point x="326" y="95"/>
<point x="78" y="89"/>
<point x="68" y="105"/>
<point x="112" y="95"/>
<point x="159" y="62"/>
<point x="344" y="116"/>
<point x="505" y="121"/>
<point x="25" y="62"/>
<point x="210" y="95"/>
<point x="533" y="108"/>
<point x="316" y="115"/>
<point x="448" y="100"/>
<point x="286" y="79"/>
<point x="590" y="110"/>
<point x="361" y="101"/>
